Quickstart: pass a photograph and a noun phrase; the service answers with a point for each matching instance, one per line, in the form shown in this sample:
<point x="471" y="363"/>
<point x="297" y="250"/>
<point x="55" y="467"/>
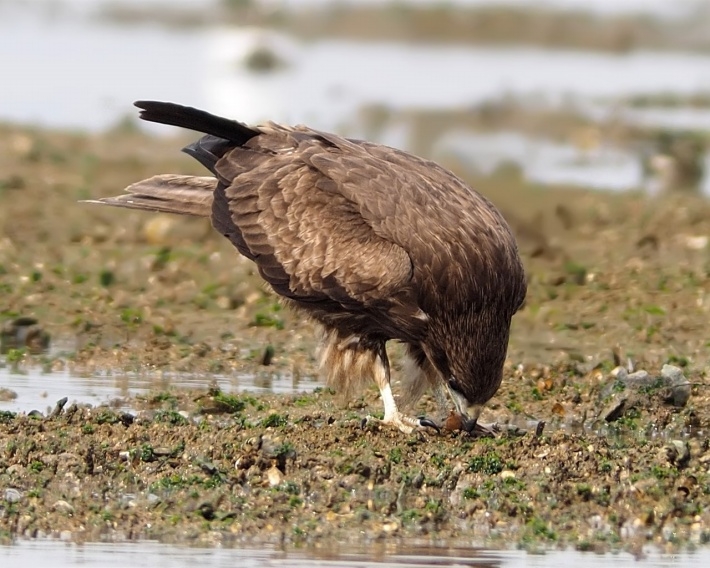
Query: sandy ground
<point x="615" y="280"/>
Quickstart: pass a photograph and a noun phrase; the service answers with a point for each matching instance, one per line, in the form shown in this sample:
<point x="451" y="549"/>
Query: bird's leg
<point x="393" y="416"/>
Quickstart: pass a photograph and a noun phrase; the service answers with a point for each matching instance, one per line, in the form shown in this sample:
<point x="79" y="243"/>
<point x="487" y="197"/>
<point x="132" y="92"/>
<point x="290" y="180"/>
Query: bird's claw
<point x="425" y="422"/>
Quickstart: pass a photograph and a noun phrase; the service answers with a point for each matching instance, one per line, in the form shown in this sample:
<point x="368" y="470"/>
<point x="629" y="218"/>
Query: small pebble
<point x="638" y="379"/>
<point x="128" y="500"/>
<point x="619" y="373"/>
<point x="63" y="507"/>
<point x="7" y="395"/>
<point x="453" y="422"/>
<point x="153" y="499"/>
<point x="672" y="374"/>
<point x="678" y="453"/>
<point x="679" y="385"/>
<point x="12" y="495"/>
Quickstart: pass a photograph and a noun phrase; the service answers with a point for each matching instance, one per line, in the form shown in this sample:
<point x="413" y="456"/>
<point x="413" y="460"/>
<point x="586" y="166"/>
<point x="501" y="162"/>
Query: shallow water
<point x="95" y="70"/>
<point x="152" y="555"/>
<point x="40" y="391"/>
<point x="552" y="163"/>
<point x="656" y="8"/>
<point x="329" y="81"/>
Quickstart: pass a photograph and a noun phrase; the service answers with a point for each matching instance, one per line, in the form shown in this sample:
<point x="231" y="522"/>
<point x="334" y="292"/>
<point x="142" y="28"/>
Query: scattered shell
<point x="274" y="476"/>
<point x="678" y="453"/>
<point x="615" y="409"/>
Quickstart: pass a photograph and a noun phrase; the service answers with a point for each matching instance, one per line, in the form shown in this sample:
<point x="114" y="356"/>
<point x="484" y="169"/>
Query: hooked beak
<point x="469" y="412"/>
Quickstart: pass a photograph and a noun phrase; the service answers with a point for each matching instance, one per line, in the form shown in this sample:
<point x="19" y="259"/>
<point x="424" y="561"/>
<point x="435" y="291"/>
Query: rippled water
<point x="151" y="555"/>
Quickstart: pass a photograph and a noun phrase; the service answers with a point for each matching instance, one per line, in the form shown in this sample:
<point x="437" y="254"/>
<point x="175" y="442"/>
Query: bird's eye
<point x="453" y="385"/>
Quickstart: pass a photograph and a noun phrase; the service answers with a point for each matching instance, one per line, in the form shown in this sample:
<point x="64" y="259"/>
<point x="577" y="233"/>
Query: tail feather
<point x="195" y="119"/>
<point x="208" y="150"/>
<point x="167" y="193"/>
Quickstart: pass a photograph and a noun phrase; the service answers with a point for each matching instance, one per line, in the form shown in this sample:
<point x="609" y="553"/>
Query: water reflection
<point x="35" y="390"/>
<point x="153" y="555"/>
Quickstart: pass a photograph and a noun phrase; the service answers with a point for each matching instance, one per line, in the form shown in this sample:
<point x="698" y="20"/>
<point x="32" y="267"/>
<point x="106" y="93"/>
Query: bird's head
<point x="468" y="410"/>
<point x="470" y="356"/>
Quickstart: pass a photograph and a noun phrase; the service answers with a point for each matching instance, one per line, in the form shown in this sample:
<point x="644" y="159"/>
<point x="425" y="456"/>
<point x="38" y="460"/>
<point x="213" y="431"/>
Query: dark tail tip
<point x="194" y="119"/>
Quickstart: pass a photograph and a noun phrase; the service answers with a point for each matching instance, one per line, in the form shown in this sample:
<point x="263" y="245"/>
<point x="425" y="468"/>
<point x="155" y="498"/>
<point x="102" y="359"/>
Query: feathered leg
<point x="350" y="363"/>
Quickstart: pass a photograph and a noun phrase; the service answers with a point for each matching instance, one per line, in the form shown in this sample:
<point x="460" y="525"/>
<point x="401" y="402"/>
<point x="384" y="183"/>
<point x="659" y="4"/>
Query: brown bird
<point x="371" y="242"/>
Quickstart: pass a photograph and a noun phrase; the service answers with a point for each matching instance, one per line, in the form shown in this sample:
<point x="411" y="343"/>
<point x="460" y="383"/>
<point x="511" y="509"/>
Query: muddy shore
<point x="618" y="284"/>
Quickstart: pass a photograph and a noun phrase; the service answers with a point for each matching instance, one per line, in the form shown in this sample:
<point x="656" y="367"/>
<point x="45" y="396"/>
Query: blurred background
<point x="607" y="94"/>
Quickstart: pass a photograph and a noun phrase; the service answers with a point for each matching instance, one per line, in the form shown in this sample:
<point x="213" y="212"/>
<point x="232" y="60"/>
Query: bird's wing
<point x="309" y="239"/>
<point x="421" y="207"/>
<point x="461" y="246"/>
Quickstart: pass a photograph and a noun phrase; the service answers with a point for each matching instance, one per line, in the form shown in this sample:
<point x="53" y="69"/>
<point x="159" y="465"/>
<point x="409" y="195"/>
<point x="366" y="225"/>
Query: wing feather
<point x="309" y="241"/>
